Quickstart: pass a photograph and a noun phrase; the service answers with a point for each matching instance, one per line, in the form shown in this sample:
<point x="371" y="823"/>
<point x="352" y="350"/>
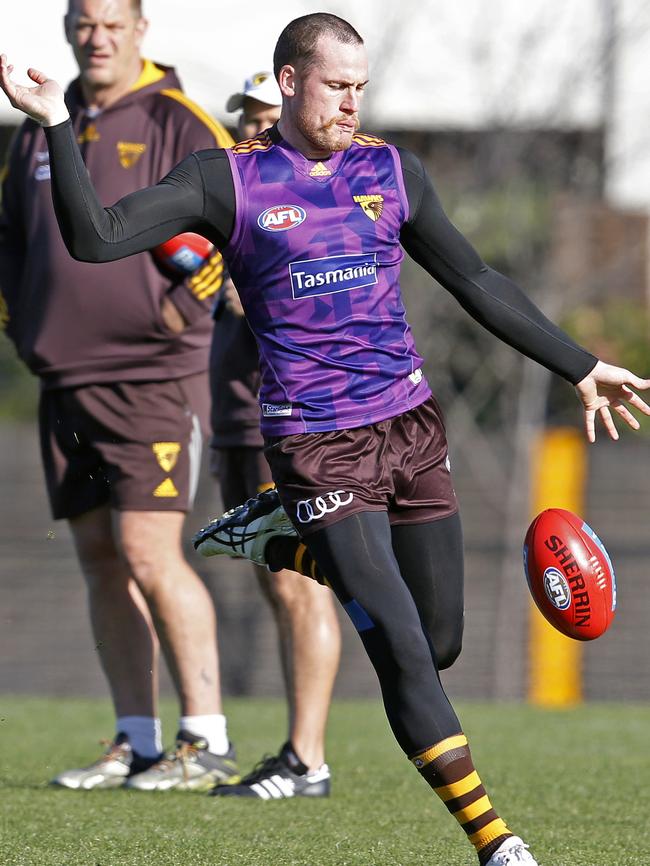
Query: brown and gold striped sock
<point x="447" y="766"/>
<point x="304" y="563"/>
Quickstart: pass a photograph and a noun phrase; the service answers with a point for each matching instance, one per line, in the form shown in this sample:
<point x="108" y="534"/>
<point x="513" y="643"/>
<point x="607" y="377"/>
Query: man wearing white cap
<point x="304" y="612"/>
<point x="261" y="88"/>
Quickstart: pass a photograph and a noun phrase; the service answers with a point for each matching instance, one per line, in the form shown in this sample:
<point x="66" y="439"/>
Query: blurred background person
<point x="121" y="352"/>
<point x="306" y="620"/>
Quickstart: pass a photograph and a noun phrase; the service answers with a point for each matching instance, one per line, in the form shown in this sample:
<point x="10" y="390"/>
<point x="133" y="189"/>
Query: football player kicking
<point x="312" y="218"/>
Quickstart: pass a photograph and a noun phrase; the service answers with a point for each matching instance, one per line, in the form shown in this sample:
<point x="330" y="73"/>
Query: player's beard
<point x="328" y="137"/>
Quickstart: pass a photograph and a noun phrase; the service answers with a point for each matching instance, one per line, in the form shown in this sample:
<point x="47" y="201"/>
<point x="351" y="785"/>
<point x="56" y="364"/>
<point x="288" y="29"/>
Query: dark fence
<point x="46" y="647"/>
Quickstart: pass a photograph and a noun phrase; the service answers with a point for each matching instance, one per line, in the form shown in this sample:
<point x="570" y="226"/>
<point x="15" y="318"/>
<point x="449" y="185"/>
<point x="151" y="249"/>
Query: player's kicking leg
<point x="382" y="608"/>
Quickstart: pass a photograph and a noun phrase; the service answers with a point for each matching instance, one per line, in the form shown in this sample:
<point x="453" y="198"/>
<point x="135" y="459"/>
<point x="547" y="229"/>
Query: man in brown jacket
<point x="121" y="351"/>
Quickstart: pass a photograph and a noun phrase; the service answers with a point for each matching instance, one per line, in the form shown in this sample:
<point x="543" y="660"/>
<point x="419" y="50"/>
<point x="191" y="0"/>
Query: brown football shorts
<point x="135" y="446"/>
<point x="242" y="473"/>
<point x="400" y="465"/>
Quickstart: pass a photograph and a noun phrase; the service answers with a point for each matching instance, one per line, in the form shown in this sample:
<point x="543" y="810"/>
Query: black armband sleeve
<point x="493" y="300"/>
<point x="138" y="221"/>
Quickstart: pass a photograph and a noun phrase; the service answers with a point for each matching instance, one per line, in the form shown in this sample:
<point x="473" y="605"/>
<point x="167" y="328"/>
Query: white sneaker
<point x="244" y="532"/>
<point x="512" y="852"/>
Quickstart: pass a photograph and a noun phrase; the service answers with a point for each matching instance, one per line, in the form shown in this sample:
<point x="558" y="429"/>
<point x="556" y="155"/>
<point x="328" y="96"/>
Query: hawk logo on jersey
<point x="166" y="454"/>
<point x="281" y="218"/>
<point x="129" y="152"/>
<point x="371" y="205"/>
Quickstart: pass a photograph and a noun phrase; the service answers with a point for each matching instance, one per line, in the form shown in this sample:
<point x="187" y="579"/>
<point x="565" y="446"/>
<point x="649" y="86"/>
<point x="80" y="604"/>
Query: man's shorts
<point x="400" y="465"/>
<point x="135" y="446"/>
<point x="242" y="473"/>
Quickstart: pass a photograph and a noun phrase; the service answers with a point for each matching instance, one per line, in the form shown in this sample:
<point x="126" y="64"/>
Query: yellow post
<point x="558" y="481"/>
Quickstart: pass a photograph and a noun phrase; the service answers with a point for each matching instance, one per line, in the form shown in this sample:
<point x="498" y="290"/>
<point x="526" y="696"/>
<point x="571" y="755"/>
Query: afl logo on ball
<point x="281" y="217"/>
<point x="557" y="588"/>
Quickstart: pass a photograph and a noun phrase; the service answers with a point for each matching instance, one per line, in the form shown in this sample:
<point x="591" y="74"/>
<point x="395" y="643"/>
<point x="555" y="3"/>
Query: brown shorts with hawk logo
<point x="135" y="446"/>
<point x="400" y="465"/>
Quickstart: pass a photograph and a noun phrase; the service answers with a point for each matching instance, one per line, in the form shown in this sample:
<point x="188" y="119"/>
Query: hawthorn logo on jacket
<point x="129" y="152"/>
<point x="89" y="134"/>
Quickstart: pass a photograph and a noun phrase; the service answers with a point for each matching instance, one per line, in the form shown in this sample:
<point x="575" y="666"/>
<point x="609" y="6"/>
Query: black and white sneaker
<point x="244" y="532"/>
<point x="113" y="769"/>
<point x="274" y="779"/>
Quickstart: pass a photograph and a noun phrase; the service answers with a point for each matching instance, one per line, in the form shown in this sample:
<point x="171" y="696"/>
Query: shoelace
<point x="183" y="753"/>
<point x="229" y="513"/>
<point x="114" y="751"/>
<point x="263" y="768"/>
<point x="266" y="496"/>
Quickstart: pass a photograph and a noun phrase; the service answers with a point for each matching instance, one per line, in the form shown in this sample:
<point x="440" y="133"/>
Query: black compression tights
<point x="403" y="590"/>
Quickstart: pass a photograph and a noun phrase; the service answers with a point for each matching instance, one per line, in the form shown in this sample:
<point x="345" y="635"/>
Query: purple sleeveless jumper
<point x="315" y="255"/>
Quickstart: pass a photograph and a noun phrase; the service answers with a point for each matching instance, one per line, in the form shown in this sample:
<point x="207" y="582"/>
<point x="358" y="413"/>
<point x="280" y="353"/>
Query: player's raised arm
<point x="92" y="233"/>
<point x="501" y="306"/>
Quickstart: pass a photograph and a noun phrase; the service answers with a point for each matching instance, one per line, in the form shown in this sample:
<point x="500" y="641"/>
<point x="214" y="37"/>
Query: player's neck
<point x="298" y="141"/>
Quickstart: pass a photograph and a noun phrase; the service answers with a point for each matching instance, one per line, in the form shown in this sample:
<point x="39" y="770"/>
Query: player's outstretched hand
<point x="44" y="103"/>
<point x="608" y="387"/>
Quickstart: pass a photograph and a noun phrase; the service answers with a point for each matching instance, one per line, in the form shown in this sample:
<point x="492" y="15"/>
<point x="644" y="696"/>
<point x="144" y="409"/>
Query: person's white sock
<point x="144" y="734"/>
<point x="211" y="728"/>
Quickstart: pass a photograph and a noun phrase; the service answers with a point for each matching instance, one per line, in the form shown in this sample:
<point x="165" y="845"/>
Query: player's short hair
<point x="298" y="41"/>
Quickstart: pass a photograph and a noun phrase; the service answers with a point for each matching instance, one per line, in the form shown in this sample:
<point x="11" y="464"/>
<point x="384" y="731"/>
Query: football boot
<point x="512" y="852"/>
<point x="189" y="766"/>
<point x="244" y="532"/>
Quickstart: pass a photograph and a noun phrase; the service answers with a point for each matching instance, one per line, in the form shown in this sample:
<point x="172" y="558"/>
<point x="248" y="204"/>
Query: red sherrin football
<point x="184" y="253"/>
<point x="570" y="574"/>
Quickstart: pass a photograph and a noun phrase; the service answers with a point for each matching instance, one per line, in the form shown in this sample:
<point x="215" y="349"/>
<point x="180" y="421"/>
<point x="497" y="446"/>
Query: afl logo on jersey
<point x="281" y="217"/>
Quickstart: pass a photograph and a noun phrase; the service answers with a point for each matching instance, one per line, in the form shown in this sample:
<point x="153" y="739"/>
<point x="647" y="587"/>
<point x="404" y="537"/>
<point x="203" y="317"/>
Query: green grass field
<point x="575" y="784"/>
